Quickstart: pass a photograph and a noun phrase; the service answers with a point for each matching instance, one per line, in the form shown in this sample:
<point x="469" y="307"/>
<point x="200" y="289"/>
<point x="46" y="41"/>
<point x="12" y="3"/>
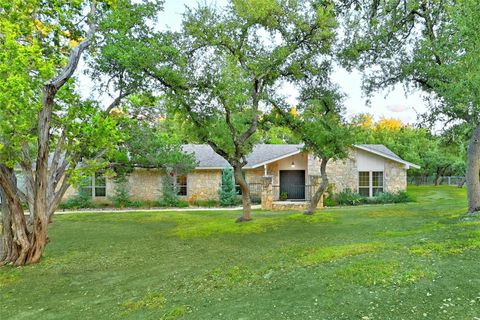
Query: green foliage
<point x="169" y="191"/>
<point x="121" y="197"/>
<point x="348" y="197"/>
<point x="82" y="200"/>
<point x="283" y="196"/>
<point x="420" y="264"/>
<point x="387" y="197"/>
<point x="211" y="203"/>
<point x="227" y="193"/>
<point x="330" y="201"/>
<point x="438" y="155"/>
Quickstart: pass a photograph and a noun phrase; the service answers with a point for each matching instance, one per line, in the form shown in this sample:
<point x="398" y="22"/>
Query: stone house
<point x="284" y="171"/>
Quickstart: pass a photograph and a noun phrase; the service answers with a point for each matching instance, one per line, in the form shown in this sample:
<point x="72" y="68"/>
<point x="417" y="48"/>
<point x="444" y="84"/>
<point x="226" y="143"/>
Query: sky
<point x="393" y="103"/>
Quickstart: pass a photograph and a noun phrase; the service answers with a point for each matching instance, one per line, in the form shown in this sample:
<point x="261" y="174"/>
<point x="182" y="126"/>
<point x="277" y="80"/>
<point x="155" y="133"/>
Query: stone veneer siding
<point x="395" y="177"/>
<point x="203" y="184"/>
<point x="342" y="174"/>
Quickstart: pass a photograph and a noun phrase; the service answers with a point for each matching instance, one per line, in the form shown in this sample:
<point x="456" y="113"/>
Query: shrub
<point x="350" y="198"/>
<point x="169" y="204"/>
<point x="256" y="199"/>
<point x="330" y="201"/>
<point x="387" y="197"/>
<point x="206" y="203"/>
<point x="169" y="192"/>
<point x="283" y="196"/>
<point x="81" y="200"/>
<point x="121" y="197"/>
<point x="227" y="194"/>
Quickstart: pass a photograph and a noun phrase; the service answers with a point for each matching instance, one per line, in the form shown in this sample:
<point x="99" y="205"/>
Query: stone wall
<point x="395" y="177"/>
<point x="143" y="184"/>
<point x="341" y="174"/>
<point x="203" y="185"/>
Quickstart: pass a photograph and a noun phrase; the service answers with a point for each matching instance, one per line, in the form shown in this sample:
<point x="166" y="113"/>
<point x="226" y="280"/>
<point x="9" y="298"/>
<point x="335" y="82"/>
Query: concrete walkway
<point x="152" y="210"/>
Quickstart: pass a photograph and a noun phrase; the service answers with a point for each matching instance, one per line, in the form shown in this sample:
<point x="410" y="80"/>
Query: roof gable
<point x="267" y="153"/>
<point x="261" y="154"/>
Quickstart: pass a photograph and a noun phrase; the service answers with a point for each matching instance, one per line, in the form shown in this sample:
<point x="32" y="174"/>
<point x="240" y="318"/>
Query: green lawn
<point x="408" y="261"/>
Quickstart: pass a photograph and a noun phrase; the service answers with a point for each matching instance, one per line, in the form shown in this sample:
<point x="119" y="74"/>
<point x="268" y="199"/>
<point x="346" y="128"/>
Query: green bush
<point x="256" y="199"/>
<point x="283" y="196"/>
<point x="169" y="204"/>
<point x="349" y="198"/>
<point x="82" y="200"/>
<point x="330" y="201"/>
<point x="206" y="203"/>
<point x="387" y="197"/>
<point x="227" y="194"/>
<point x="169" y="192"/>
<point x="121" y="197"/>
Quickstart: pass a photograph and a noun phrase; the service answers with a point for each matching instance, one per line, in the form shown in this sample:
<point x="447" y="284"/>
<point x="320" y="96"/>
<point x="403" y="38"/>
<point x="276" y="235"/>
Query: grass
<point x="404" y="261"/>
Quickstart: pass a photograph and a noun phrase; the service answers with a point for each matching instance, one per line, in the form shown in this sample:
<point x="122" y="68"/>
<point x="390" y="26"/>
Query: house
<point x="292" y="174"/>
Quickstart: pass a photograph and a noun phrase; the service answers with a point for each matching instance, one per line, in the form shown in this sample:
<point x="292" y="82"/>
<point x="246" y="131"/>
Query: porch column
<point x="314" y="184"/>
<point x="267" y="192"/>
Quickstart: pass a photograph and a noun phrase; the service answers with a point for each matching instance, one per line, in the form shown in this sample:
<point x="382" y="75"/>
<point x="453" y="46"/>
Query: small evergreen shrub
<point x="169" y="192"/>
<point x="121" y="197"/>
<point x="227" y="193"/>
<point x="283" y="196"/>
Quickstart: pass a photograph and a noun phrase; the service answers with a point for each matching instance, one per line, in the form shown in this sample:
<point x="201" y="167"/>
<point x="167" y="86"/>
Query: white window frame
<point x="93" y="186"/>
<point x="370" y="182"/>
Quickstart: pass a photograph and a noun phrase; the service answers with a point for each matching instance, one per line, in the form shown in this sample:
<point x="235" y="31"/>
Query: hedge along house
<point x="282" y="176"/>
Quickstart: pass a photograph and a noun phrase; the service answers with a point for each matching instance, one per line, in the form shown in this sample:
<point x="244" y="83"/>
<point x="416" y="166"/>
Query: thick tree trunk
<point x="462" y="182"/>
<point x="16" y="234"/>
<point x="321" y="189"/>
<point x="473" y="171"/>
<point x="438" y="180"/>
<point x="246" y="202"/>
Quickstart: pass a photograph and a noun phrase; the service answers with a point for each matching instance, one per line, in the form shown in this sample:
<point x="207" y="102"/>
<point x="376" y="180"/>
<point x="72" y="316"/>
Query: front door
<point x="292" y="182"/>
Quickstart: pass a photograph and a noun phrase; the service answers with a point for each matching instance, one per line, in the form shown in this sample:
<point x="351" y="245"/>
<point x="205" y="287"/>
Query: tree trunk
<point x="16" y="242"/>
<point x="246" y="202"/>
<point x="462" y="182"/>
<point x="23" y="242"/>
<point x="438" y="179"/>
<point x="321" y="188"/>
<point x="473" y="171"/>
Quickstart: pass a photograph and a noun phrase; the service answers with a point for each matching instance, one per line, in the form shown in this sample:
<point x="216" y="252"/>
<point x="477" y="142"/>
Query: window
<point x="370" y="183"/>
<point x="364" y="183"/>
<point x="182" y="185"/>
<point x="94" y="186"/>
<point x="377" y="183"/>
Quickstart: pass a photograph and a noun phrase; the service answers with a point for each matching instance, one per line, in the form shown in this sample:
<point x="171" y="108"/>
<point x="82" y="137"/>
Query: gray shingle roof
<point x="380" y="148"/>
<point x="261" y="153"/>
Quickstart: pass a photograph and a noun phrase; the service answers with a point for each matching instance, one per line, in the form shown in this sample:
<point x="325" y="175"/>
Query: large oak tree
<point x="431" y="45"/>
<point x="48" y="133"/>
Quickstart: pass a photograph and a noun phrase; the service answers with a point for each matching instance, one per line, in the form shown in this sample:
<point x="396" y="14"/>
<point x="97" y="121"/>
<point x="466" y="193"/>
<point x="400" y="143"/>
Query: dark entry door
<point x="292" y="182"/>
